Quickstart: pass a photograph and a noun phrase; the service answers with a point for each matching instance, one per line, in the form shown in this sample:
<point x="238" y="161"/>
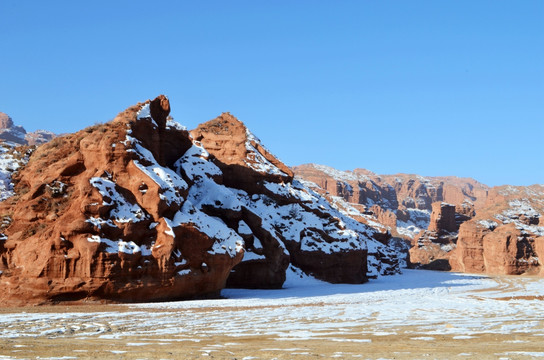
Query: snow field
<point x="463" y="306"/>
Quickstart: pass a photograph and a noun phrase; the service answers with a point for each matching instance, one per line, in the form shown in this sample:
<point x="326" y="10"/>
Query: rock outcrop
<point x="17" y="135"/>
<point x="9" y="132"/>
<point x="506" y="236"/>
<point x="96" y="216"/>
<point x="39" y="137"/>
<point x="402" y="205"/>
<point x="409" y="198"/>
<point x="432" y="248"/>
<point x="451" y="223"/>
<point x="139" y="209"/>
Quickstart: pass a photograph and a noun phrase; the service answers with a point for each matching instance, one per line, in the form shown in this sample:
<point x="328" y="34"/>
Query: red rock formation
<point x="239" y="154"/>
<point x="393" y="191"/>
<point x="17" y="134"/>
<point x="402" y="204"/>
<point x="484" y="242"/>
<point x="505" y="236"/>
<point x="468" y="256"/>
<point x="5" y="121"/>
<point x="433" y="247"/>
<point x="384" y="216"/>
<point x="39" y="137"/>
<point x="443" y="218"/>
<point x="138" y="210"/>
<point x="94" y="217"/>
<point x="249" y="166"/>
<point x="10" y="132"/>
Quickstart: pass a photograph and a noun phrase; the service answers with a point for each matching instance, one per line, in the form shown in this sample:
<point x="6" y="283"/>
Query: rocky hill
<point x="17" y="135"/>
<point x="140" y="209"/>
<point x="447" y="222"/>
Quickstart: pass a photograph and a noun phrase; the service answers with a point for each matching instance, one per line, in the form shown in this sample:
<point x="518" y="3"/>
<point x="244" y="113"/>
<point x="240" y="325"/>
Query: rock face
<point x="405" y="200"/>
<point x="506" y="236"/>
<point x="432" y="248"/>
<point x="240" y="155"/>
<point x="39" y="137"/>
<point x="17" y="135"/>
<point x="443" y="218"/>
<point x="318" y="239"/>
<point x="402" y="205"/>
<point x="9" y="132"/>
<point x="97" y="216"/>
<point x="484" y="230"/>
<point x="139" y="209"/>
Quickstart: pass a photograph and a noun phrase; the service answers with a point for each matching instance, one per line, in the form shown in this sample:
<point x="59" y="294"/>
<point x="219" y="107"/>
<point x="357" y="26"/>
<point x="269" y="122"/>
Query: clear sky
<point x="427" y="87"/>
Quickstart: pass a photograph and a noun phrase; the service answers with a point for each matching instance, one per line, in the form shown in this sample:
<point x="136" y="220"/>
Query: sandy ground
<point x="495" y="318"/>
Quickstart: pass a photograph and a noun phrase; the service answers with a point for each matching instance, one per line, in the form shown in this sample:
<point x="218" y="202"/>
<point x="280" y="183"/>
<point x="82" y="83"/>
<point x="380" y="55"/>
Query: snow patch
<point x="120" y="246"/>
<point x="122" y="211"/>
<point x="256" y="160"/>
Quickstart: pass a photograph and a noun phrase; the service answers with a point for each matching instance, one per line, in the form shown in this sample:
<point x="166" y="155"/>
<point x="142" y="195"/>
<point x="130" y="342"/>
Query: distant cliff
<point x="9" y="132"/>
<point x="448" y="223"/>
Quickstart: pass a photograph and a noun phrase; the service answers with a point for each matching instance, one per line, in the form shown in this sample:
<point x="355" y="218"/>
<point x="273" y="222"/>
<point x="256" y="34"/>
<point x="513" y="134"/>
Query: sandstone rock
<point x="17" y="135"/>
<point x="505" y="236"/>
<point x="5" y="121"/>
<point x="139" y="210"/>
<point x="409" y="197"/>
<point x="443" y="218"/>
<point x="410" y="206"/>
<point x="240" y="155"/>
<point x="9" y="132"/>
<point x="432" y="252"/>
<point x="308" y="232"/>
<point x="95" y="218"/>
<point x="39" y="137"/>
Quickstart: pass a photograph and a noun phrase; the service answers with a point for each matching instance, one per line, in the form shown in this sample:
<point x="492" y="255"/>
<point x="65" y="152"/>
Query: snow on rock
<point x="145" y="113"/>
<point x="9" y="132"/>
<point x="256" y="160"/>
<point x="250" y="255"/>
<point x="418" y="220"/>
<point x="170" y="183"/>
<point x="179" y="209"/>
<point x="122" y="210"/>
<point x="243" y="229"/>
<point x="341" y="175"/>
<point x="312" y="225"/>
<point x="172" y="124"/>
<point x="11" y="159"/>
<point x="518" y="208"/>
<point x="120" y="246"/>
<point x="506" y="236"/>
<point x="196" y="165"/>
<point x="227" y="241"/>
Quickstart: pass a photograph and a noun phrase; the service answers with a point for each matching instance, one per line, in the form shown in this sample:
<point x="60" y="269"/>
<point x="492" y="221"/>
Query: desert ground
<point x="417" y="315"/>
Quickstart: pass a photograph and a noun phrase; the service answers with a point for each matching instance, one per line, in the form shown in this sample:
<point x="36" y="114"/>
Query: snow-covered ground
<point x="467" y="304"/>
<point x="426" y="305"/>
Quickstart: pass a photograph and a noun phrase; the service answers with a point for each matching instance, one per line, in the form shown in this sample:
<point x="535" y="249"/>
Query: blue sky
<point x="427" y="87"/>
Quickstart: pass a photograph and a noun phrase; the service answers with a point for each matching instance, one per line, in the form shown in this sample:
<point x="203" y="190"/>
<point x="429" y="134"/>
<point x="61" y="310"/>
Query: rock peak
<point x="160" y="109"/>
<point x="5" y="121"/>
